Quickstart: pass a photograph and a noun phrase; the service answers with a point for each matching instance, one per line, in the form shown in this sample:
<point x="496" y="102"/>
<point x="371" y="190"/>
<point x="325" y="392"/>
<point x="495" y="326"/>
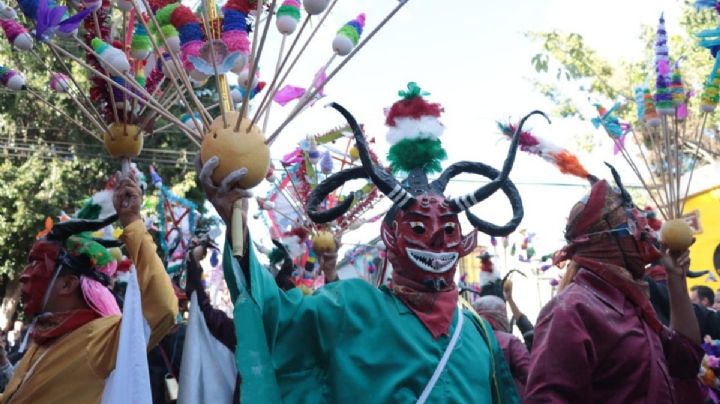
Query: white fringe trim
<point x="427" y="127"/>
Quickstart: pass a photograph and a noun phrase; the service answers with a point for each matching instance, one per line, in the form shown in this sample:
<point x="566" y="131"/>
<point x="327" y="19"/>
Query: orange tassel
<point x="568" y="163"/>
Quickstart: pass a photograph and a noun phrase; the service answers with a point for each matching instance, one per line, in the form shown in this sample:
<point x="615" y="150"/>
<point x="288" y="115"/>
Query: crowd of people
<point x="612" y="334"/>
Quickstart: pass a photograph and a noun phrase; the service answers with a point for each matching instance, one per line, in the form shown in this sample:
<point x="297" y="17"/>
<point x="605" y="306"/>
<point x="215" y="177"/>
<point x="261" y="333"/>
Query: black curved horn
<point x="61" y="231"/>
<point x="507" y="187"/>
<point x="386" y="183"/>
<point x="330" y="184"/>
<point x="618" y="181"/>
<point x="467" y="201"/>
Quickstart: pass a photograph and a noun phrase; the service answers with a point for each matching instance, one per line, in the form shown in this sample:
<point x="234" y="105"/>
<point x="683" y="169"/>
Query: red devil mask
<point x="425" y="242"/>
<point x="36" y="276"/>
<point x="422" y="230"/>
<point x="48" y="251"/>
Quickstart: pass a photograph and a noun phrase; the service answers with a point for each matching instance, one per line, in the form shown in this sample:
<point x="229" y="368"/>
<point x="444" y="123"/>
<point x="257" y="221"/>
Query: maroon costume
<point x="599" y="340"/>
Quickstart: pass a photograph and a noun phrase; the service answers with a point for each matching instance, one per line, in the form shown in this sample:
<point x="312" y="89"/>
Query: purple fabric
<point x="591" y="346"/>
<point x="517" y="358"/>
<point x="287" y="94"/>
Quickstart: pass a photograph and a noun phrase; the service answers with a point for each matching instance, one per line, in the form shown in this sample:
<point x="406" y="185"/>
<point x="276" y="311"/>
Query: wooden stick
<point x="635" y="169"/>
<point x="342" y="64"/>
<point x="276" y="88"/>
<point x="277" y="73"/>
<point x="130" y="81"/>
<point x="125" y="51"/>
<point x="178" y="67"/>
<point x="64" y="114"/>
<point x="209" y="33"/>
<point x="98" y="34"/>
<point x="168" y="126"/>
<point x="305" y="99"/>
<point x="74" y="99"/>
<point x="647" y="164"/>
<point x="101" y="118"/>
<point x="658" y="145"/>
<point x="271" y="88"/>
<point x="695" y="157"/>
<point x="668" y="158"/>
<point x="678" y="174"/>
<point x="255" y="60"/>
<point x="150" y="101"/>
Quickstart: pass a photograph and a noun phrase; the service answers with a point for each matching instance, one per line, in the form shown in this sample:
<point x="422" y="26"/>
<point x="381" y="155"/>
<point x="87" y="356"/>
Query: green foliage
<point x="35" y="187"/>
<point x="571" y="74"/>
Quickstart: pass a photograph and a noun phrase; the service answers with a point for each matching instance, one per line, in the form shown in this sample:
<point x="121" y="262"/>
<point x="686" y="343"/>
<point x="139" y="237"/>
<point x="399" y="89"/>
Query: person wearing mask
<point x="75" y="331"/>
<point x="599" y="339"/>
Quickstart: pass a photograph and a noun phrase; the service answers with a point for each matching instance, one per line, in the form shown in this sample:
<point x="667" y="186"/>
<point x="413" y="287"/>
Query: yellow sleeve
<point x="159" y="303"/>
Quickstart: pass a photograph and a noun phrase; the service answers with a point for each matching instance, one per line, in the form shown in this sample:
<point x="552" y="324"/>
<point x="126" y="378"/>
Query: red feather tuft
<point x="182" y="16"/>
<point x="156" y="5"/>
<point x="242" y="6"/>
<point x="415" y="107"/>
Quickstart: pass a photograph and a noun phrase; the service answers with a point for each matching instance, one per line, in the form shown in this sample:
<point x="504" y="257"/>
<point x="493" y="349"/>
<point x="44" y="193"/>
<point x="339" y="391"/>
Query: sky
<point x="474" y="59"/>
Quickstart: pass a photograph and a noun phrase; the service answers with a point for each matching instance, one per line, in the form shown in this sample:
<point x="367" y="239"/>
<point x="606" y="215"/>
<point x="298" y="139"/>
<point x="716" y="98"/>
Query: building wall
<point x="707" y="204"/>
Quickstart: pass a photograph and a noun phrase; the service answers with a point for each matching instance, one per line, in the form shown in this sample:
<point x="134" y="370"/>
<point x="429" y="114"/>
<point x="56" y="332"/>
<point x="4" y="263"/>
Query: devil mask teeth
<point x="435" y="262"/>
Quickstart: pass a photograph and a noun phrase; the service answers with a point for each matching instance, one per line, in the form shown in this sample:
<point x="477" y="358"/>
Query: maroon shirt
<point x="516" y="356"/>
<point x="591" y="346"/>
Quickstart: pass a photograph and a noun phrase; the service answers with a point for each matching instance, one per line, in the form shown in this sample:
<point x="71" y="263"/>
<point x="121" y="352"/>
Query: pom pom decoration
<point x="354" y="153"/>
<point x="639" y="104"/>
<point x="187" y="120"/>
<point x="651" y="116"/>
<point x="407" y="155"/>
<point x="711" y="91"/>
<point x="235" y="31"/>
<point x="313" y="154"/>
<point x="663" y="95"/>
<point x="414" y="132"/>
<point x="348" y="36"/>
<point x="7" y="12"/>
<point x="315" y="7"/>
<point x="677" y="88"/>
<point x="326" y="163"/>
<point x="236" y="94"/>
<point x="564" y="160"/>
<point x="59" y="82"/>
<point x="140" y="45"/>
<point x="172" y="36"/>
<point x="110" y="56"/>
<point x="677" y="235"/>
<point x="17" y="35"/>
<point x="124" y="5"/>
<point x="288" y="16"/>
<point x="12" y="79"/>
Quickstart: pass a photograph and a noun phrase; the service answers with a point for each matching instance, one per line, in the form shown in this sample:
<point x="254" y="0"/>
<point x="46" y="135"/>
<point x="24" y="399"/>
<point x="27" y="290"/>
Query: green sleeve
<point x="279" y="332"/>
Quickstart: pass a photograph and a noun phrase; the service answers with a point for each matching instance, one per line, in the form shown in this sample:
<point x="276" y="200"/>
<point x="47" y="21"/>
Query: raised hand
<point x="127" y="199"/>
<point x="224" y="196"/>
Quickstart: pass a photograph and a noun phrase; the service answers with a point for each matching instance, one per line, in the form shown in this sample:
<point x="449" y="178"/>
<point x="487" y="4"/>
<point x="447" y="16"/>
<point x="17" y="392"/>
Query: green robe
<point x="352" y="342"/>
